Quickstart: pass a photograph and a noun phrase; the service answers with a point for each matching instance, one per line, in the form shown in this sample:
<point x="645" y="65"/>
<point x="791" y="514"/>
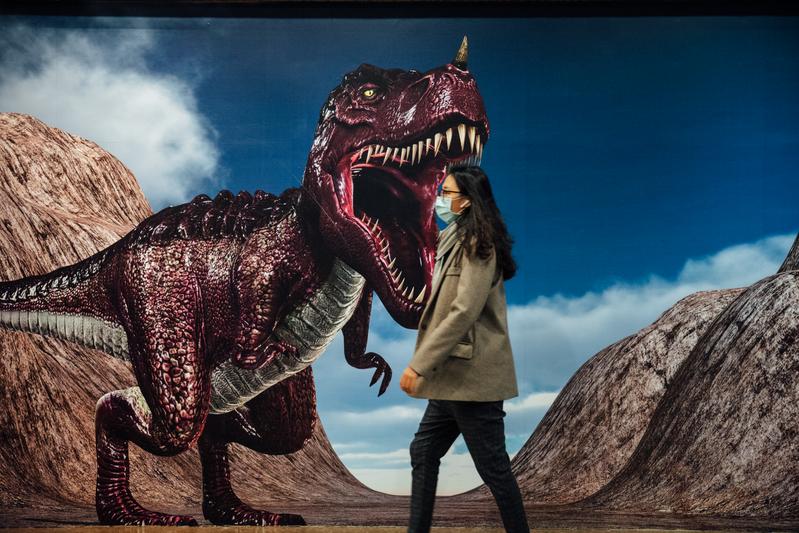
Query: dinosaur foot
<point x="124" y="510"/>
<point x="241" y="514"/>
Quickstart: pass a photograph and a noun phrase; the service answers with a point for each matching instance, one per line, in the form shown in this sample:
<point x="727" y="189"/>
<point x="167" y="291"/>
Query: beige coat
<point x="462" y="349"/>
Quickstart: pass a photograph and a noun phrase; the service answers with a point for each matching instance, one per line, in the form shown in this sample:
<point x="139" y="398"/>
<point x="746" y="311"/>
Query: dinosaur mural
<point x="222" y="304"/>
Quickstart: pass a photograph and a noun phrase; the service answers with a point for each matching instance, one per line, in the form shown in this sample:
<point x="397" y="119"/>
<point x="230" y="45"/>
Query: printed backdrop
<point x="636" y="161"/>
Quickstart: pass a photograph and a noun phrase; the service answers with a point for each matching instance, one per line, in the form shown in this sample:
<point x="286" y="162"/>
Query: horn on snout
<point x="461" y="56"/>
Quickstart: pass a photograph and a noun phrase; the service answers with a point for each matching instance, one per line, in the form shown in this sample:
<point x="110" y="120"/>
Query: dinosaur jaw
<point x="385" y="196"/>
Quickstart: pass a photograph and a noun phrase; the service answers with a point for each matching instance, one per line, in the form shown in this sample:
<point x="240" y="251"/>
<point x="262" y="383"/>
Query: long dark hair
<point x="481" y="221"/>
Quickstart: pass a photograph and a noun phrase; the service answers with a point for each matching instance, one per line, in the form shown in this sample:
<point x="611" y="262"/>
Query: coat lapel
<point x="456" y="244"/>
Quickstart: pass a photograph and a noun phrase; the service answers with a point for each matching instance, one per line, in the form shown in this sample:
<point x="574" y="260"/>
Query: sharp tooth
<point x="410" y="296"/>
<point x="462" y="135"/>
<point x="374" y="226"/>
<point x="478" y="144"/>
<point x="480" y="153"/>
<point x="391" y="264"/>
<point x="428" y="145"/>
<point x="413" y="154"/>
<point x="418" y="299"/>
<point x="387" y="155"/>
<point x="449" y="137"/>
<point x="368" y="153"/>
<point x="402" y="282"/>
<point x="438" y="137"/>
<point x="419" y="148"/>
<point x="402" y="156"/>
<point x="472" y="131"/>
<point x="385" y="245"/>
<point x="394" y="154"/>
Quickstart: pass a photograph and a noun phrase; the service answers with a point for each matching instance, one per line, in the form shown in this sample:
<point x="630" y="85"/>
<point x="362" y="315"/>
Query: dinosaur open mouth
<point x="389" y="190"/>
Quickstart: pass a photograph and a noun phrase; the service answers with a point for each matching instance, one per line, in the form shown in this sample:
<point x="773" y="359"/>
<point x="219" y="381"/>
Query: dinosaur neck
<point x="308" y="216"/>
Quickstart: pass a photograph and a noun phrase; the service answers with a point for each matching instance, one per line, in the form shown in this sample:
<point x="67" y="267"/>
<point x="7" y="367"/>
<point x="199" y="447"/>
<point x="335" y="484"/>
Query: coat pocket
<point x="463" y="350"/>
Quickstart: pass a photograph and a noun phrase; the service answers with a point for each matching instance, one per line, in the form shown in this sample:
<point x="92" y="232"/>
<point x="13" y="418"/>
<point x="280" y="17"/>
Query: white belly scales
<point x="310" y="326"/>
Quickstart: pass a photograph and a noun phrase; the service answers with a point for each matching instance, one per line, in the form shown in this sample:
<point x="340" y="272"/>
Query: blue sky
<point x="635" y="159"/>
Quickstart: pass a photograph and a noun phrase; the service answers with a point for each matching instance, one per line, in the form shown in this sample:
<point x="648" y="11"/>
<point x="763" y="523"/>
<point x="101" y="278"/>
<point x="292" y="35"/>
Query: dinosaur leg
<point x="165" y="415"/>
<point x="123" y="416"/>
<point x="277" y="422"/>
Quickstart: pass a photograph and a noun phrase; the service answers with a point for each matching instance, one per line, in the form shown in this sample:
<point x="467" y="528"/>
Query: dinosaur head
<point x="383" y="144"/>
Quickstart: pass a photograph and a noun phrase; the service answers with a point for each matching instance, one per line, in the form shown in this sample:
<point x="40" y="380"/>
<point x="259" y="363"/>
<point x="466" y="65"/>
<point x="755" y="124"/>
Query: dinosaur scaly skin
<point x="221" y="305"/>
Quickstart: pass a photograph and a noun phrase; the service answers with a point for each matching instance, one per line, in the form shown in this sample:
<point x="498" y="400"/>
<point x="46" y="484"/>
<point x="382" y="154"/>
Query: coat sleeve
<point x="474" y="286"/>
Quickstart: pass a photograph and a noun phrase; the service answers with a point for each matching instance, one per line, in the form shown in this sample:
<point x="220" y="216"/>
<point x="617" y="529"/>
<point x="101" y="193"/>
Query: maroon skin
<point x="204" y="282"/>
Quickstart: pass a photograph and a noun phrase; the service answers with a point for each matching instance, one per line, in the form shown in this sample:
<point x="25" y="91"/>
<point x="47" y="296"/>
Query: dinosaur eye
<point x="369" y="93"/>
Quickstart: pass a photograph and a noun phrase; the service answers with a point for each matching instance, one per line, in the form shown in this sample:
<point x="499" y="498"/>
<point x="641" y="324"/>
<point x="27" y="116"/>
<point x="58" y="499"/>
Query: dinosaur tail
<point x="50" y="304"/>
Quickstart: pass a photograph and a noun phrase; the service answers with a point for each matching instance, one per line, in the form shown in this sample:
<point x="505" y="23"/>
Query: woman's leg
<point x="483" y="431"/>
<point x="437" y="431"/>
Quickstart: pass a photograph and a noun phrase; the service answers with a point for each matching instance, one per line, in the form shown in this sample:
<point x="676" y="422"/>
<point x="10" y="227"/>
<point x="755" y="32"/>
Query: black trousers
<point x="483" y="431"/>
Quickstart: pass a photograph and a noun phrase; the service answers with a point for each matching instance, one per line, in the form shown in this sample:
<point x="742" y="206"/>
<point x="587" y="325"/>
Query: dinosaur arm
<point x="356" y="332"/>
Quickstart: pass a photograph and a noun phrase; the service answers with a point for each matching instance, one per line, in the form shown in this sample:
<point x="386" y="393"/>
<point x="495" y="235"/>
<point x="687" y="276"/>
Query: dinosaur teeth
<point x="391" y="264"/>
<point x="472" y="131"/>
<point x="462" y="135"/>
<point x="419" y="298"/>
<point x="415" y="152"/>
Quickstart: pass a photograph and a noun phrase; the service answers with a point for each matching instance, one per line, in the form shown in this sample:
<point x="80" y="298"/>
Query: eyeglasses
<point x="445" y="192"/>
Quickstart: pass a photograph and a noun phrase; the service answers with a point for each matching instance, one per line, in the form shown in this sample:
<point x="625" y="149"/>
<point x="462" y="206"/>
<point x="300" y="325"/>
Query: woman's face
<point x="450" y="190"/>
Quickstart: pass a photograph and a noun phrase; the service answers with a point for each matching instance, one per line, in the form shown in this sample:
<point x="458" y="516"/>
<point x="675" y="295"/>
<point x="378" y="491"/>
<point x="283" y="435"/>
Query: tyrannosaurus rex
<point x="221" y="305"/>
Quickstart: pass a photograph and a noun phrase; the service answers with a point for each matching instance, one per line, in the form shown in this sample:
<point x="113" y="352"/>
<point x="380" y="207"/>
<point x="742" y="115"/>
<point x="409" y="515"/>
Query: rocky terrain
<point x="690" y="422"/>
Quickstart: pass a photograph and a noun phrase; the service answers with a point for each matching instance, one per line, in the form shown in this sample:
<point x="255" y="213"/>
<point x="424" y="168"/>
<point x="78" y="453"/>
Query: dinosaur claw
<point x="375" y="376"/>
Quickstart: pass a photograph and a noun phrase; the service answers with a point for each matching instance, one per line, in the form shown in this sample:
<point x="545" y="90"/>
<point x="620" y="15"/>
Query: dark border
<point x="395" y="8"/>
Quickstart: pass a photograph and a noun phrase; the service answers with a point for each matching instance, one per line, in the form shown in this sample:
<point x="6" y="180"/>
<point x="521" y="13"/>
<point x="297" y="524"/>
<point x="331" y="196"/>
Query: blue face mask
<point x="444" y="209"/>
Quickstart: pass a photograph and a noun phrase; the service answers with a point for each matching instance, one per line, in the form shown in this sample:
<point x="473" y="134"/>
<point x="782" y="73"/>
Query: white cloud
<point x="457" y="474"/>
<point x="394" y="456"/>
<point x="531" y="402"/>
<point x="96" y="84"/>
<point x="553" y="335"/>
<point x="382" y="416"/>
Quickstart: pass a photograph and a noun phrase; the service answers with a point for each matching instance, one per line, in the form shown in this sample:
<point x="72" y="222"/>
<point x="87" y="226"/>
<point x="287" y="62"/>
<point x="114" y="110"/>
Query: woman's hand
<point x="408" y="380"/>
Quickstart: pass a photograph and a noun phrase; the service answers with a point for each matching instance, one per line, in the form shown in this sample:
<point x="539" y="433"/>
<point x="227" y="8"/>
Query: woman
<point x="462" y="362"/>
